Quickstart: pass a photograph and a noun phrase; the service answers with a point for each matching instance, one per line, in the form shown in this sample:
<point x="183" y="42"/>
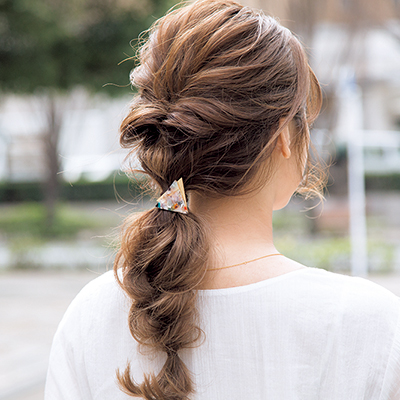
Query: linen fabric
<point x="305" y="335"/>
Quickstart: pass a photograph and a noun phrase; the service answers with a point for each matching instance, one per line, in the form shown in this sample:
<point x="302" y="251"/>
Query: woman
<point x="206" y="307"/>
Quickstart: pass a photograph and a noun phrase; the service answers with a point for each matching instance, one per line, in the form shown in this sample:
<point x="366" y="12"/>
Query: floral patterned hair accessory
<point x="174" y="198"/>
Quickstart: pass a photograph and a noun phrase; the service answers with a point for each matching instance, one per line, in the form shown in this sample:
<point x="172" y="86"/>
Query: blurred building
<point x="88" y="145"/>
<point x="360" y="38"/>
<point x="353" y="12"/>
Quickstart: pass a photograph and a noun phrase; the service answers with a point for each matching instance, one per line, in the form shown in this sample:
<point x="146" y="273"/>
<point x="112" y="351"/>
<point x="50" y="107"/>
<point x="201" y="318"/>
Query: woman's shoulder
<point x="97" y="299"/>
<point x="355" y="294"/>
<point x="351" y="283"/>
<point x="354" y="284"/>
<point x="99" y="289"/>
<point x="364" y="320"/>
<point x="105" y="281"/>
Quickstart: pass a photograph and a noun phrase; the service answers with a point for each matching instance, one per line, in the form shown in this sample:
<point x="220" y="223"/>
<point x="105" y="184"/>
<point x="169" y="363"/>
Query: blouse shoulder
<point x="391" y="384"/>
<point x="97" y="315"/>
<point x="368" y="323"/>
<point x="97" y="299"/>
<point x="100" y="287"/>
<point x="360" y="290"/>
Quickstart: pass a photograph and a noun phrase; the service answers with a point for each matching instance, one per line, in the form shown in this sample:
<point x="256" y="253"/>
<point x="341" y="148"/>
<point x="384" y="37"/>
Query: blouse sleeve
<point x="391" y="384"/>
<point x="66" y="375"/>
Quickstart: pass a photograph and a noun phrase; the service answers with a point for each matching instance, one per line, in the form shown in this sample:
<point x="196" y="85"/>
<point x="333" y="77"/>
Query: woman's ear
<point x="283" y="143"/>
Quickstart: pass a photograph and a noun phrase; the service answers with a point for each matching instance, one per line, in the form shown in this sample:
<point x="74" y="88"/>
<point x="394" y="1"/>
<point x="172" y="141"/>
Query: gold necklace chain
<point x="246" y="262"/>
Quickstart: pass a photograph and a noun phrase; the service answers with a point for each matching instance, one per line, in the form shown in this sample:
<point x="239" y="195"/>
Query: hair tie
<point x="174" y="198"/>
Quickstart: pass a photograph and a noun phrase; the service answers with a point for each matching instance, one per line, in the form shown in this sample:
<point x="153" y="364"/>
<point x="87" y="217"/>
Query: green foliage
<point x="292" y="237"/>
<point x="114" y="187"/>
<point x="27" y="221"/>
<point x="21" y="191"/>
<point x="294" y="222"/>
<point x="60" y="44"/>
<point x="387" y="182"/>
<point x="330" y="253"/>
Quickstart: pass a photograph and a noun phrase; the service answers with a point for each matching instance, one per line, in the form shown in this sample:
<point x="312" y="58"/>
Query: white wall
<point x="88" y="143"/>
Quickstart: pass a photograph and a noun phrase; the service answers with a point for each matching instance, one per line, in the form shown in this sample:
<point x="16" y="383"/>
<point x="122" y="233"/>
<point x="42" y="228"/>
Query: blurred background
<point x="64" y="88"/>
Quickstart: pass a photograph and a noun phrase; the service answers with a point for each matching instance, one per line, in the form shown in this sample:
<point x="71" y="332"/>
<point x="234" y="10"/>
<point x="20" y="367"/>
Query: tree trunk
<point x="51" y="140"/>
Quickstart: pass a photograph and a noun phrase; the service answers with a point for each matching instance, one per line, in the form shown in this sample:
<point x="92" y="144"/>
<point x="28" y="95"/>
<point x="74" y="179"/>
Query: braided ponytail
<point x="166" y="253"/>
<point x="215" y="82"/>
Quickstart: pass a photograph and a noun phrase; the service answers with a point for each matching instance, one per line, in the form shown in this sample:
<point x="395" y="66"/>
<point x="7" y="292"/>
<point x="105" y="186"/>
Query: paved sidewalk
<point x="31" y="306"/>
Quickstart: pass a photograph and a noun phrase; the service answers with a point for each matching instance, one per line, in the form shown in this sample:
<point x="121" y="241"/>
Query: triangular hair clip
<point x="174" y="198"/>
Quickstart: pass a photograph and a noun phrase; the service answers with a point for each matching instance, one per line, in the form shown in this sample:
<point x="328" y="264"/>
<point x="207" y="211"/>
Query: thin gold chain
<point x="246" y="262"/>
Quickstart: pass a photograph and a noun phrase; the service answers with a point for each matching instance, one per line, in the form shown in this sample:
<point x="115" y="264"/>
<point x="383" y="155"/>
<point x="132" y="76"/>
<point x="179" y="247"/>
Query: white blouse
<point x="308" y="334"/>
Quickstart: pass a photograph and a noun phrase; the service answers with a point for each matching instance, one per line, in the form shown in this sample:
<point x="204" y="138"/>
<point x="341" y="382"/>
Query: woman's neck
<point x="240" y="228"/>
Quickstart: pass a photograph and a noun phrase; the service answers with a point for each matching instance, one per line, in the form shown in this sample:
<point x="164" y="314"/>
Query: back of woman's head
<point x="217" y="82"/>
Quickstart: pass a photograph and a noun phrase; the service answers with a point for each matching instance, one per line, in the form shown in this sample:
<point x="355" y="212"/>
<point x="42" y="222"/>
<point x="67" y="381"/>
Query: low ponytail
<point x="215" y="82"/>
<point x="163" y="257"/>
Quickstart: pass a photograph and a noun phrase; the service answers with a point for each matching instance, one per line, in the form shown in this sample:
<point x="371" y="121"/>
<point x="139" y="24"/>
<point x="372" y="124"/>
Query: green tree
<point x="48" y="47"/>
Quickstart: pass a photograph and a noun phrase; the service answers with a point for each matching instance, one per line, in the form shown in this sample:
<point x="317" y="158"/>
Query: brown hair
<point x="215" y="82"/>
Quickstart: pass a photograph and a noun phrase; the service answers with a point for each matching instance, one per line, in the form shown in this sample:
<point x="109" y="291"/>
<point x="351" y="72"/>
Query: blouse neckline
<point x="255" y="285"/>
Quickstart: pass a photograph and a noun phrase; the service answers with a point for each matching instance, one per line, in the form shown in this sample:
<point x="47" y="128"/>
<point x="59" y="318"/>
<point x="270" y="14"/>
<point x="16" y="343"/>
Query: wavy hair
<point x="216" y="84"/>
